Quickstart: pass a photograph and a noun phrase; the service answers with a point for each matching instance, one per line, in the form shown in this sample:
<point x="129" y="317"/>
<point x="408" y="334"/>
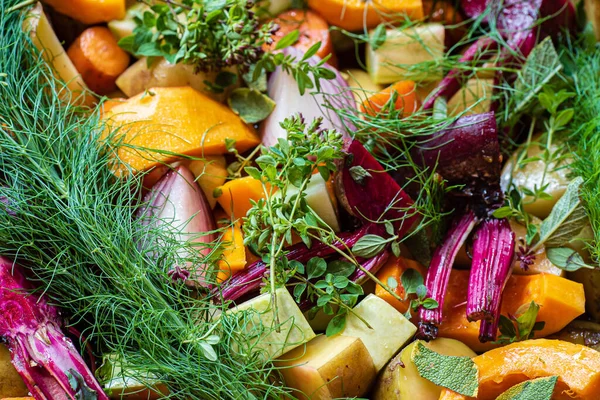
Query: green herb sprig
<point x="522" y="326"/>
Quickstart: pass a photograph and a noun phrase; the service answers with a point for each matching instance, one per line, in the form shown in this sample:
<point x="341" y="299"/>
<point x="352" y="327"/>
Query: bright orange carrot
<point x="394" y="268"/>
<point x="110" y="103"/>
<point x="234" y="253"/>
<point x="406" y="99"/>
<point x="98" y="58"/>
<point x="90" y="11"/>
<point x="312" y="27"/>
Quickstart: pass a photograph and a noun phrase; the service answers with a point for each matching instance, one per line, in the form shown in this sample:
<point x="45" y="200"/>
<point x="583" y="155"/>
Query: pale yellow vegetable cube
<point x="475" y="97"/>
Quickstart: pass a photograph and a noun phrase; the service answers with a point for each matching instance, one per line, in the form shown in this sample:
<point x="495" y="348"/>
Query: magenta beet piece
<point x="45" y="358"/>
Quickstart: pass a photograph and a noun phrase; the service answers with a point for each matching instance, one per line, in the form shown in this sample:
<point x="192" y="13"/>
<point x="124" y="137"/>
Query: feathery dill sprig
<point x="70" y="221"/>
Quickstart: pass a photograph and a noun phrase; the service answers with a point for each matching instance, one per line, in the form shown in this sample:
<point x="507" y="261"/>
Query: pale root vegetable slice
<point x="361" y="84"/>
<point x="263" y="331"/>
<point x="210" y="173"/>
<point x="140" y="77"/>
<point x="51" y="50"/>
<point x="554" y="174"/>
<point x="390" y="329"/>
<point x="328" y="368"/>
<point x="391" y="61"/>
<point x="394" y="268"/>
<point x="120" y="383"/>
<point x="157" y="125"/>
<point x="11" y="383"/>
<point x="401" y="380"/>
<point x="234" y="253"/>
<point x="560" y="300"/>
<point x="406" y="99"/>
<point x="236" y="194"/>
<point x="577" y="368"/>
<point x="475" y="97"/>
<point x="124" y="27"/>
<point x="98" y="58"/>
<point x="356" y="15"/>
<point x="90" y="11"/>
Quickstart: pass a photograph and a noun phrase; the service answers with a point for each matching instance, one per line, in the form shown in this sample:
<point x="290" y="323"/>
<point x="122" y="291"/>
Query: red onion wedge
<point x="47" y="360"/>
<point x="283" y="89"/>
<point x="177" y="203"/>
<point x="369" y="193"/>
<point x="493" y="253"/>
<point x="439" y="270"/>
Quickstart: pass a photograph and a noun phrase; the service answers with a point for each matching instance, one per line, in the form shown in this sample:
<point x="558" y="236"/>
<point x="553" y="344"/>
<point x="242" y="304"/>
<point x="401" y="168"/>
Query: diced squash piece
<point x="140" y="77"/>
<point x="262" y="332"/>
<point x="394" y="268"/>
<point x="577" y="368"/>
<point x="45" y="40"/>
<point x="328" y="368"/>
<point x="11" y="383"/>
<point x="406" y="99"/>
<point x="179" y="120"/>
<point x="210" y="173"/>
<point x="401" y="380"/>
<point x="98" y="58"/>
<point x="530" y="177"/>
<point x="234" y="254"/>
<point x="475" y="97"/>
<point x="236" y="194"/>
<point x="357" y="15"/>
<point x="560" y="301"/>
<point x="90" y="12"/>
<point x="107" y="105"/>
<point x="390" y="329"/>
<point x="124" y="27"/>
<point x="390" y="62"/>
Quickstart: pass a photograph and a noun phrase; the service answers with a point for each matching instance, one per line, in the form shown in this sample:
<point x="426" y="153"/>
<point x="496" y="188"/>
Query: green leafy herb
<point x="378" y="36"/>
<point x="412" y="283"/>
<point x="359" y="174"/>
<point x="567" y="259"/>
<point x="370" y="245"/>
<point x="458" y="374"/>
<point x="252" y="106"/>
<point x="520" y="327"/>
<point x="535" y="389"/>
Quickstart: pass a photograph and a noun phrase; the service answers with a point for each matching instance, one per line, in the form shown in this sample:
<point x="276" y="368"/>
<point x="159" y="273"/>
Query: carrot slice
<point x="98" y="58"/>
<point x="406" y="99"/>
<point x="312" y="27"/>
<point x="90" y="11"/>
<point x="577" y="368"/>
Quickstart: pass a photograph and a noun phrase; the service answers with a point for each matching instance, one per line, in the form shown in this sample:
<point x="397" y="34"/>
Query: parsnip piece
<point x="44" y="39"/>
<point x="128" y="385"/>
<point x="361" y="84"/>
<point x="391" y="330"/>
<point x="473" y="98"/>
<point x="402" y="48"/>
<point x="261" y="326"/>
<point x="401" y="380"/>
<point x="139" y="77"/>
<point x="329" y="368"/>
<point x="121" y="28"/>
<point x="534" y="175"/>
<point x="11" y="384"/>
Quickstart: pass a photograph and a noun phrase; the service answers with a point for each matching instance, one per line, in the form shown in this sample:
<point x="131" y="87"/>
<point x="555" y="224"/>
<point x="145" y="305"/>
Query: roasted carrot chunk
<point x="406" y="99"/>
<point x="98" y="58"/>
<point x="394" y="268"/>
<point x="236" y="194"/>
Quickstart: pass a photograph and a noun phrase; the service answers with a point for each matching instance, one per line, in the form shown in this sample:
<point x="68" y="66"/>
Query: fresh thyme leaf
<point x="288" y="40"/>
<point x="567" y="259"/>
<point x="535" y="389"/>
<point x="458" y="374"/>
<point x="252" y="106"/>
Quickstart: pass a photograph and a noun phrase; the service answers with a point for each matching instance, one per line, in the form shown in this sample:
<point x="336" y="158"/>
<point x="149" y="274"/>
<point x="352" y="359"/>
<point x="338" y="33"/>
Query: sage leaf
<point x="369" y="246"/>
<point x="458" y="374"/>
<point x="411" y="280"/>
<point x="251" y="105"/>
<point x="535" y="389"/>
<point x="566" y="258"/>
<point x="566" y="219"/>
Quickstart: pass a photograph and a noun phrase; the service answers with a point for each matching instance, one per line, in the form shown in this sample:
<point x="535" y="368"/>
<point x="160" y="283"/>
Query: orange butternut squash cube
<point x="236" y="195"/>
<point x="577" y="368"/>
<point x="406" y="99"/>
<point x="234" y="254"/>
<point x="161" y="123"/>
<point x="560" y="300"/>
<point x="90" y="11"/>
<point x="394" y="268"/>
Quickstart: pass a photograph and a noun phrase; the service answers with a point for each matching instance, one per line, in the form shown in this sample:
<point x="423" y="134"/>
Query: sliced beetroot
<point x="46" y="359"/>
<point x="370" y="194"/>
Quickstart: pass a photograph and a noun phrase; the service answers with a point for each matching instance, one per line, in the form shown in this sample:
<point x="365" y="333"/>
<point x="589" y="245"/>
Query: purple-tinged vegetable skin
<point x="250" y="279"/>
<point x="283" y="89"/>
<point x="177" y="201"/>
<point x="465" y="153"/>
<point x="493" y="254"/>
<point x="47" y="361"/>
<point x="439" y="270"/>
<point x="376" y="196"/>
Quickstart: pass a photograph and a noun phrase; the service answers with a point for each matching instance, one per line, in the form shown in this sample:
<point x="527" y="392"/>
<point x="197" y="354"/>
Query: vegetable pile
<point x="272" y="199"/>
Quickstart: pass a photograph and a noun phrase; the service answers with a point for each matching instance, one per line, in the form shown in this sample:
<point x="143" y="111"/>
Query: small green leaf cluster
<point x="371" y="245"/>
<point x="333" y="292"/>
<point x="413" y="285"/>
<point x="522" y="326"/>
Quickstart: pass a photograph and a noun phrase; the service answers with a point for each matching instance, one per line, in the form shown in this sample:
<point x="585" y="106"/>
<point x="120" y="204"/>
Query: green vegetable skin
<point x="535" y="389"/>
